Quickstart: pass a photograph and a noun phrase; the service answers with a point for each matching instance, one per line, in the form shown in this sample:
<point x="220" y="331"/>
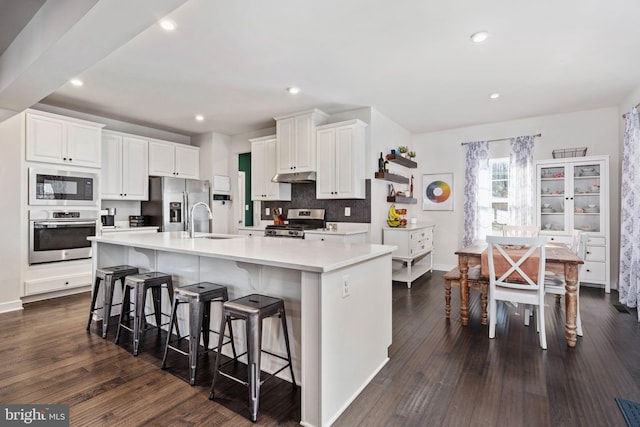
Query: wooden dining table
<point x="559" y="260"/>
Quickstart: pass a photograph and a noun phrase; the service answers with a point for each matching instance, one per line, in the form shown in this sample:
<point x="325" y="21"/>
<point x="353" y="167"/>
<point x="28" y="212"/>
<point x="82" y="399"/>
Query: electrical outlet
<point x="267" y="211"/>
<point x="347" y="211"/>
<point x="345" y="286"/>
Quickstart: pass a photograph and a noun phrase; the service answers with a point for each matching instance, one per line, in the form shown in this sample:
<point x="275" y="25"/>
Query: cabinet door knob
<point x="64" y="158"/>
<point x="70" y="159"/>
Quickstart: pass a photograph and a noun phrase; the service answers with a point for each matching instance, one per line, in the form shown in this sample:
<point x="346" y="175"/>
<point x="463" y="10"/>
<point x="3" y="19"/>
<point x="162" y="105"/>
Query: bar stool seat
<point x="140" y="284"/>
<point x="253" y="309"/>
<point x="199" y="297"/>
<point x="110" y="275"/>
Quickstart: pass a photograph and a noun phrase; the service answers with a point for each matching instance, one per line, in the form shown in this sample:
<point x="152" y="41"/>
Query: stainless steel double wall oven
<point x="63" y="212"/>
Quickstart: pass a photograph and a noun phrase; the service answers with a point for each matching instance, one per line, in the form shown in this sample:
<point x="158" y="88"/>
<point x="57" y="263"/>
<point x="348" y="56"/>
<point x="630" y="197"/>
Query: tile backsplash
<point x="303" y="195"/>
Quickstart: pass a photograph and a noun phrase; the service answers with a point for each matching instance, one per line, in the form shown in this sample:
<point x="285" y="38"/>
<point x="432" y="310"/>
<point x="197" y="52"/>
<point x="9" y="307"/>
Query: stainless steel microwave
<point x="62" y="188"/>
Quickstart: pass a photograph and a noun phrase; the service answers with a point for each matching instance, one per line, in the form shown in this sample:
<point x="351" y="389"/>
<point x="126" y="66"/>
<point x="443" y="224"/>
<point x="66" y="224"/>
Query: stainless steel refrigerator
<point x="171" y="200"/>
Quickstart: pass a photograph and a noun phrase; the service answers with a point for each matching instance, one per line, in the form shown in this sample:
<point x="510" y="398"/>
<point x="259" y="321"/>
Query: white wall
<point x="440" y="152"/>
<point x="118" y="125"/>
<point x="240" y="144"/>
<point x="214" y="160"/>
<point x="384" y="135"/>
<point x="13" y="226"/>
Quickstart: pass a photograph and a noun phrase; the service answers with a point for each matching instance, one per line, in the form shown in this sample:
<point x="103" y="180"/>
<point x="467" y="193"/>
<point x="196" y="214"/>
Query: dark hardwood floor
<point x="439" y="373"/>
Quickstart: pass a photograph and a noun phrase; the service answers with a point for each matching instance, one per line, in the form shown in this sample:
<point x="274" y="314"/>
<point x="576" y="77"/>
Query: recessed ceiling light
<point x="199" y="118"/>
<point x="293" y="90"/>
<point x="479" y="37"/>
<point x="168" y="25"/>
<point x="76" y="82"/>
<point x="494" y="96"/>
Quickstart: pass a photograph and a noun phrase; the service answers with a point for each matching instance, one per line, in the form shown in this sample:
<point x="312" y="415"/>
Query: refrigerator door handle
<point x="185" y="203"/>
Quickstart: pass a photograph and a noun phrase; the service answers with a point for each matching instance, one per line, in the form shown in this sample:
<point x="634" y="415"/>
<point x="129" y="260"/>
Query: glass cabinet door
<point x="587" y="197"/>
<point x="553" y="198"/>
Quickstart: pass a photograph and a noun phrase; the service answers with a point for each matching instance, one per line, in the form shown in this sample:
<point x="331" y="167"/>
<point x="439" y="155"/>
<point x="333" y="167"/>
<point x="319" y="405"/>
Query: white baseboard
<point x="10" y="306"/>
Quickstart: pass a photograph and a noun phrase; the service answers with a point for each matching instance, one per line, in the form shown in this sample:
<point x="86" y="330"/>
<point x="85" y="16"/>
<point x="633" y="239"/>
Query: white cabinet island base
<point x="337" y="297"/>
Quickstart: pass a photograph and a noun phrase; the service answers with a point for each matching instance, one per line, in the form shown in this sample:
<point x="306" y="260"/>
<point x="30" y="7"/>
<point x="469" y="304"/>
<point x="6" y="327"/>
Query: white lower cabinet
<point x="413" y="258"/>
<point x="51" y="284"/>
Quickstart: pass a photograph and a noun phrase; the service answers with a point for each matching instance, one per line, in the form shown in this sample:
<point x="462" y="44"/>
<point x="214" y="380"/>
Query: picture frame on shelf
<point x="437" y="192"/>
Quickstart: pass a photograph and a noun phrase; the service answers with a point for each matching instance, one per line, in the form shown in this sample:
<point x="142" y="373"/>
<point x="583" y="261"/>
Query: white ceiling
<point x="412" y="60"/>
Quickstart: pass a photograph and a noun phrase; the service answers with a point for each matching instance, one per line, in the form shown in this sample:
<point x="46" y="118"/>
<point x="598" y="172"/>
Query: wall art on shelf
<point x="437" y="192"/>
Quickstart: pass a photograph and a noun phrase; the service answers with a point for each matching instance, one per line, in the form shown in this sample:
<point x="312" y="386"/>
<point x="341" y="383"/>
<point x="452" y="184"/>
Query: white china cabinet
<point x="573" y="193"/>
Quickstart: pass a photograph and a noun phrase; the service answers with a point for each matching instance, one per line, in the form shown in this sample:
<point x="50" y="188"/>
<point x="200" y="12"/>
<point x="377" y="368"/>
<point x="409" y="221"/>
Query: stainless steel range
<point x="299" y="221"/>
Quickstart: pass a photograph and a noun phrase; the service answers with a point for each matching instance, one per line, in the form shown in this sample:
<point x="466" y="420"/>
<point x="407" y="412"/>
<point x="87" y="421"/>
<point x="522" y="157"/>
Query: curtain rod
<point x="624" y="116"/>
<point x="537" y="135"/>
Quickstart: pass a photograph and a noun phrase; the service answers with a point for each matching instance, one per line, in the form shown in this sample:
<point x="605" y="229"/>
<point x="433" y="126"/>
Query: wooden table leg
<point x="463" y="265"/>
<point x="571" y="302"/>
<point x="447" y="298"/>
<point x="483" y="301"/>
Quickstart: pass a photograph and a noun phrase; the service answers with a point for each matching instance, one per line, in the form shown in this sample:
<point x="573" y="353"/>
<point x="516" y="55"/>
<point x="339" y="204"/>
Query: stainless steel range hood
<point x="295" y="177"/>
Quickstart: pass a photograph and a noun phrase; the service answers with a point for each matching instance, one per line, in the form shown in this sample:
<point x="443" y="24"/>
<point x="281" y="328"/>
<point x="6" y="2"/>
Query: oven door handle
<point x="62" y="223"/>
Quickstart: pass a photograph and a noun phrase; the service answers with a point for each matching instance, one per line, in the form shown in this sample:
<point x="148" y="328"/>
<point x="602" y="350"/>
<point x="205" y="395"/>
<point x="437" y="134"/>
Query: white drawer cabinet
<point x="50" y="284"/>
<point x="413" y="257"/>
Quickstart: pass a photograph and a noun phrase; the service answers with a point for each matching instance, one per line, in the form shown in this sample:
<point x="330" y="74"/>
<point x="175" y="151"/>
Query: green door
<point x="244" y="165"/>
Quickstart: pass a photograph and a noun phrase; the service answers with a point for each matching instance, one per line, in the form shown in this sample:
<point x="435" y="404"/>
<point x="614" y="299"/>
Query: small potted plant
<point x="403" y="150"/>
<point x="411" y="154"/>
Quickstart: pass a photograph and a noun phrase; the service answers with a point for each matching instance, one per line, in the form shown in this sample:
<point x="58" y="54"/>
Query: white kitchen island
<point x="337" y="297"/>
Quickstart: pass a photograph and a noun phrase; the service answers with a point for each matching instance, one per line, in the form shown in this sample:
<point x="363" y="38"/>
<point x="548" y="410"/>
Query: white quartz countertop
<point x="119" y="229"/>
<point x="297" y="254"/>
<point x="342" y="230"/>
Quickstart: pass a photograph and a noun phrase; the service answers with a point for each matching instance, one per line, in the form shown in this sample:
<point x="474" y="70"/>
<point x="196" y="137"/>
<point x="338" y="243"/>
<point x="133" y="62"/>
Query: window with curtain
<point x="499" y="193"/>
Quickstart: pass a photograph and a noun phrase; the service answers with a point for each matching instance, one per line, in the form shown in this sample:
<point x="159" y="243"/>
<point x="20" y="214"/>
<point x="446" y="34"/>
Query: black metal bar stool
<point x="110" y="275"/>
<point x="199" y="297"/>
<point x="140" y="283"/>
<point x="253" y="309"/>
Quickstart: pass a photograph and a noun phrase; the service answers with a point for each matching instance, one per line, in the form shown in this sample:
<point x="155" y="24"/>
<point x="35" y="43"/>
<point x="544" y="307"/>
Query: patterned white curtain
<point x="521" y="181"/>
<point x="629" y="283"/>
<point x="477" y="193"/>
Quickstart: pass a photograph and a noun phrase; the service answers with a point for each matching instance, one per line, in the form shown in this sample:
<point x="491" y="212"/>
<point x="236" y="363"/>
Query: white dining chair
<point x="554" y="283"/>
<point x="520" y="231"/>
<point x="525" y="290"/>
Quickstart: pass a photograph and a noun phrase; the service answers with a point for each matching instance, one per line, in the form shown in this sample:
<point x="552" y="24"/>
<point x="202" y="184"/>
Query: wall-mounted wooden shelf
<point x="401" y="199"/>
<point x="394" y="158"/>
<point x="392" y="177"/>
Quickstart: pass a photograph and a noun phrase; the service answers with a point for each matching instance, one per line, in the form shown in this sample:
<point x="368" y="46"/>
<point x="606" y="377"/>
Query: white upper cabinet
<point x="263" y="168"/>
<point x="341" y="158"/>
<point x="296" y="135"/>
<point x="124" y="167"/>
<point x="57" y="139"/>
<point x="176" y="160"/>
